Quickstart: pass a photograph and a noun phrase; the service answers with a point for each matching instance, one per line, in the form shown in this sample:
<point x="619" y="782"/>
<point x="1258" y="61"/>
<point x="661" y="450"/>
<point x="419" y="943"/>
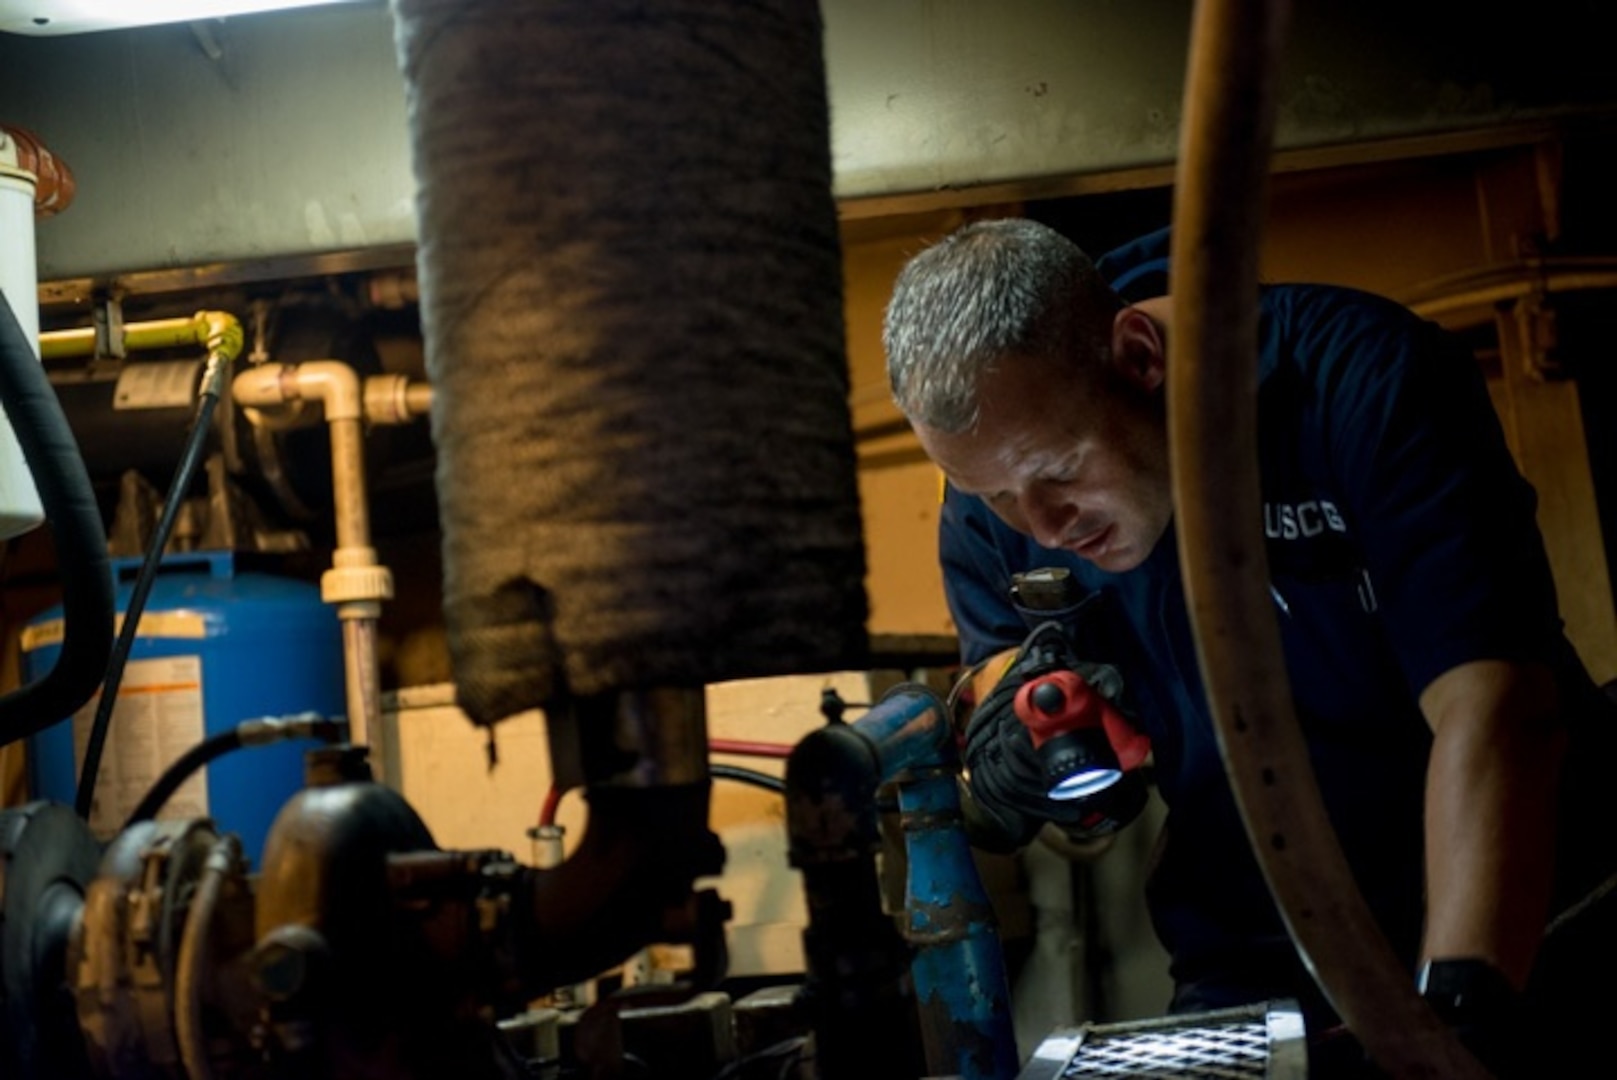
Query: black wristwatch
<point x="1466" y="991"/>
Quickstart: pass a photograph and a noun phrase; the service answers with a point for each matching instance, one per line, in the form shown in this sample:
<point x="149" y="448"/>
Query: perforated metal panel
<point x="1261" y="1042"/>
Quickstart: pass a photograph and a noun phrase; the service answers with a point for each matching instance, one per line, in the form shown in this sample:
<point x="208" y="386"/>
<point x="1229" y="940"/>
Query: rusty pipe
<point x="1230" y="92"/>
<point x="629" y="884"/>
<point x="857" y="995"/>
<point x="641" y="757"/>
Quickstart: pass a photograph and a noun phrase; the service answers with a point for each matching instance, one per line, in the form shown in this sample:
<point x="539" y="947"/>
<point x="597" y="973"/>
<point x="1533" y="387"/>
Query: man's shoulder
<point x="1139" y="270"/>
<point x="1319" y="330"/>
<point x="1312" y="305"/>
<point x="1331" y="335"/>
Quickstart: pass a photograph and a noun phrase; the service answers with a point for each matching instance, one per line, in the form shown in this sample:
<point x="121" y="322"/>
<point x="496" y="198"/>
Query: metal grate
<point x="1260" y="1042"/>
<point x="1210" y="1053"/>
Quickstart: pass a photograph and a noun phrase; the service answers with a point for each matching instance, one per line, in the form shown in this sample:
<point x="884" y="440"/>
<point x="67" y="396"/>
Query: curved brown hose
<point x="1212" y="416"/>
<point x="191" y="966"/>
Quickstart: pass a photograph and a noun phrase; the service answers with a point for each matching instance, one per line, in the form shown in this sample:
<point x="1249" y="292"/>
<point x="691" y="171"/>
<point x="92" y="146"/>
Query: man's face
<point x="1077" y="463"/>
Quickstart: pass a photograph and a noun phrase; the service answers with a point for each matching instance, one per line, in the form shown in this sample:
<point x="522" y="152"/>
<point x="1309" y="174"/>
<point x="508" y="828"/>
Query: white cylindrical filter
<point x="20" y="509"/>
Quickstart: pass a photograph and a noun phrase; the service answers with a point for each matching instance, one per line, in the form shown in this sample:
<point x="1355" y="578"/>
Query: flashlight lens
<point x="1085" y="783"/>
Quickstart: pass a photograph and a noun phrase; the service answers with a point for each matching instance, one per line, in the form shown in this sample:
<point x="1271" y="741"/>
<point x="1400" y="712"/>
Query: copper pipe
<point x="1212" y="416"/>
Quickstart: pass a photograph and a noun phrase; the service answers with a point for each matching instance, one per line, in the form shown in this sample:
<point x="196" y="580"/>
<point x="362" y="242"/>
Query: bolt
<point x="280" y="971"/>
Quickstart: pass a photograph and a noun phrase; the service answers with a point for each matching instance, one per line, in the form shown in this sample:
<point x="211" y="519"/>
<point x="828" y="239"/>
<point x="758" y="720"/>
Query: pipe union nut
<point x="386" y="399"/>
<point x="345" y="584"/>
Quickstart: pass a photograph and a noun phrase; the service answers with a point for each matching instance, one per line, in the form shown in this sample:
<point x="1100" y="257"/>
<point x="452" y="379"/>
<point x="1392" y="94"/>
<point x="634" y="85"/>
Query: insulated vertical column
<point x="631" y="304"/>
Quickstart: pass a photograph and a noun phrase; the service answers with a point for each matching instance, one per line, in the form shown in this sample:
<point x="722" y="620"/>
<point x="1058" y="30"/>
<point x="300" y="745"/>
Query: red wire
<point x="749" y="749"/>
<point x="547" y="812"/>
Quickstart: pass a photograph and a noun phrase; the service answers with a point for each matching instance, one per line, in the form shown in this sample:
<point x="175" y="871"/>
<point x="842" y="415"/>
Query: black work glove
<point x="1477" y="1003"/>
<point x="1007" y="793"/>
<point x="1487" y="1013"/>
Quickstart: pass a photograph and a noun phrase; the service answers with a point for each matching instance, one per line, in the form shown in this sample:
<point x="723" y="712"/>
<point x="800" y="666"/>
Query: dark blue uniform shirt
<point x="1401" y="541"/>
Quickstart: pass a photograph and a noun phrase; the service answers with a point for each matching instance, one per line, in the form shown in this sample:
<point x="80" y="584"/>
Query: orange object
<point x="1077" y="705"/>
<point x="54" y="186"/>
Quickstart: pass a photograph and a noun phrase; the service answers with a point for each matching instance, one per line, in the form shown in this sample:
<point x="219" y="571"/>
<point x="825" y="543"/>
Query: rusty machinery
<point x="360" y="949"/>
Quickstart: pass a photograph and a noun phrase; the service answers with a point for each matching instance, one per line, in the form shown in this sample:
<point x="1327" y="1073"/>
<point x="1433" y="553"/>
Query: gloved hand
<point x="1007" y="791"/>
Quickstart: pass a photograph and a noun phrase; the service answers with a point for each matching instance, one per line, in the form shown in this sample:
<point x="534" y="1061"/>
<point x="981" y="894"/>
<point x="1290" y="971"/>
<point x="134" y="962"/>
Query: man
<point x="1434" y="685"/>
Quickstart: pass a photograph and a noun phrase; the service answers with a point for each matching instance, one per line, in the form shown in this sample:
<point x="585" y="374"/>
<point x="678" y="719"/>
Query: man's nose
<point x="1049" y="516"/>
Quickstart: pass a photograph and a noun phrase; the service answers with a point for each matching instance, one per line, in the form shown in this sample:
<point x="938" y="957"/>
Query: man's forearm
<point x="1490" y="813"/>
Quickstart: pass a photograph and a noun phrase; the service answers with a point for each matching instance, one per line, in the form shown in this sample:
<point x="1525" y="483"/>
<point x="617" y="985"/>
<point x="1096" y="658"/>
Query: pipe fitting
<point x="330" y="382"/>
<point x="395" y="399"/>
<point x="260" y="386"/>
<point x="418" y="398"/>
<point x="355" y="577"/>
<point x="221" y="333"/>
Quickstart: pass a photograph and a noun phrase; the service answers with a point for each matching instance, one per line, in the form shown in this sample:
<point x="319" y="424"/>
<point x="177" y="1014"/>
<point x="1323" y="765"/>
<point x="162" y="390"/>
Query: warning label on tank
<point x="157" y="718"/>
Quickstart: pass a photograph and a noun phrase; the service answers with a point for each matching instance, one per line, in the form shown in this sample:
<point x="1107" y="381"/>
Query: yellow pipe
<point x="219" y="331"/>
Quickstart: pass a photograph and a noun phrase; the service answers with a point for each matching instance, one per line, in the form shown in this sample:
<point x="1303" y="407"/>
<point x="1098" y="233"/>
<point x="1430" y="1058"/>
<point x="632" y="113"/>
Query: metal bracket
<point x="107" y="315"/>
<point x="1538" y="333"/>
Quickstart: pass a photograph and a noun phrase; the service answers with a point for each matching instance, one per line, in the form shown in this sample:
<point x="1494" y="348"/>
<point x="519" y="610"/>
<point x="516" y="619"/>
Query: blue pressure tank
<point x="216" y="646"/>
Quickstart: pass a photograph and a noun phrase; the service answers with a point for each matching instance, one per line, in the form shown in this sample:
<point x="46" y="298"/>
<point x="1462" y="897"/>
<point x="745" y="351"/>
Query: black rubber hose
<point x="749" y="776"/>
<point x="195" y="441"/>
<point x="215" y="747"/>
<point x="209" y="749"/>
<point x="70" y="508"/>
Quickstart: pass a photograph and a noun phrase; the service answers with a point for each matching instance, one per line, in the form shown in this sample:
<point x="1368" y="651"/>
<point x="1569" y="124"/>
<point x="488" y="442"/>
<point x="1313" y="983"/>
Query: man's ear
<point x="1139" y="349"/>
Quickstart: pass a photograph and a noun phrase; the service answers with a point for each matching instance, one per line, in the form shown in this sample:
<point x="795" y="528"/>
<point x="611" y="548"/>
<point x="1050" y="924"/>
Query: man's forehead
<point x="1035" y="402"/>
<point x="993" y="455"/>
<point x="1015" y="380"/>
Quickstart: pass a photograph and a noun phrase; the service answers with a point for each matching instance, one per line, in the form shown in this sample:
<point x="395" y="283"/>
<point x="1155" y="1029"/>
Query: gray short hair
<point x="990" y="290"/>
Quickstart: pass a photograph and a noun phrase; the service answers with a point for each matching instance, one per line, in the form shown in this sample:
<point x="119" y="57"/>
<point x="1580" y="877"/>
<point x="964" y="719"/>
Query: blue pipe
<point x="958" y="971"/>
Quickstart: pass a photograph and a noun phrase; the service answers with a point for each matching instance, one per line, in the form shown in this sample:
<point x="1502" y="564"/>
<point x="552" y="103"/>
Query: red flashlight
<point x="1083" y="742"/>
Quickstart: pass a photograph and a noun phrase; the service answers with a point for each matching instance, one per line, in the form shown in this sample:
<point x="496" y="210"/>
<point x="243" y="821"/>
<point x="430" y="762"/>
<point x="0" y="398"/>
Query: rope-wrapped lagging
<point x="632" y="313"/>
